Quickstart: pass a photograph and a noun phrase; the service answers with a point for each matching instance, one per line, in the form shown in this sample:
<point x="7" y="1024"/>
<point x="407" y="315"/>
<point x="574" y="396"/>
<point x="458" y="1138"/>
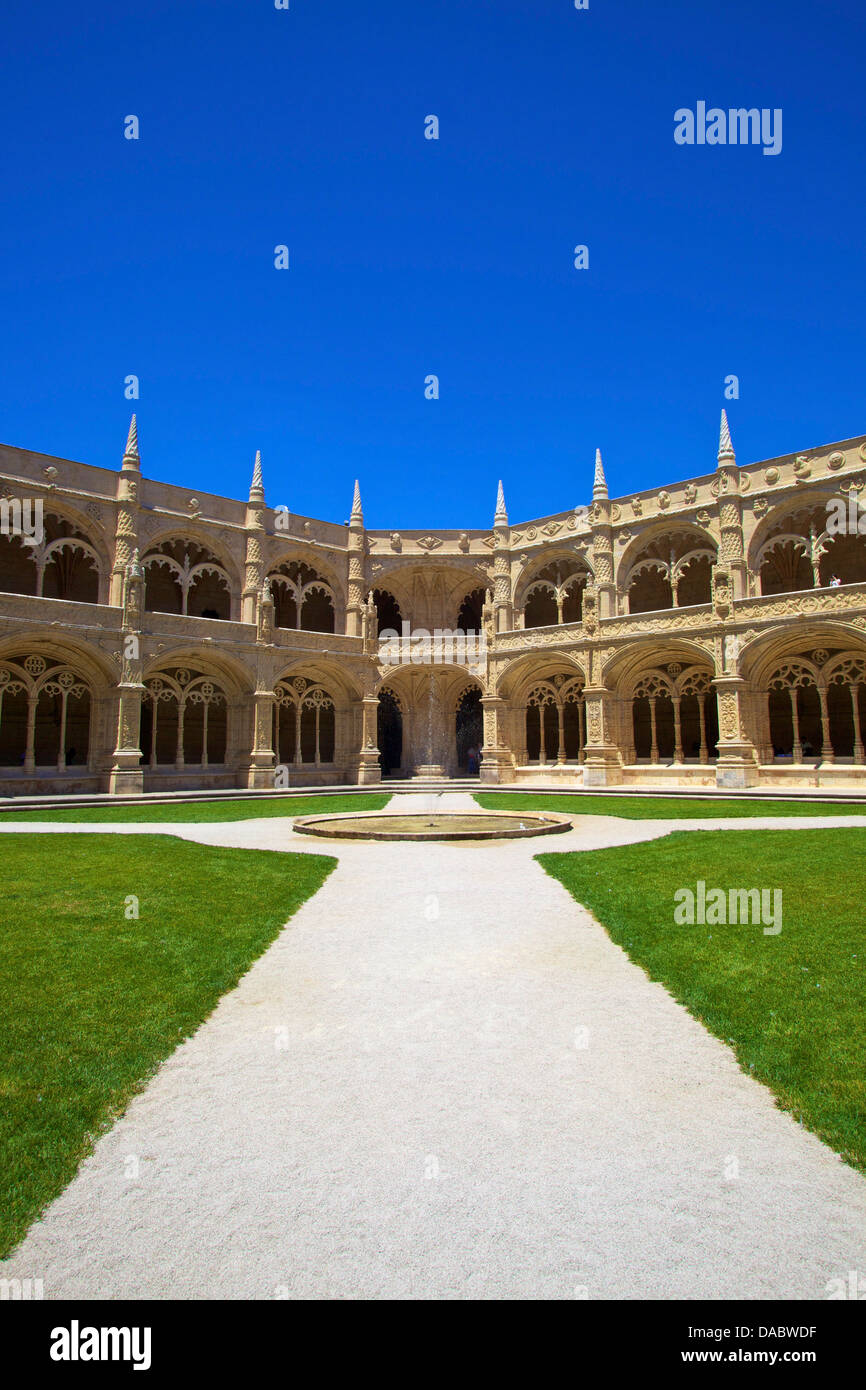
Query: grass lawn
<point x="792" y="1006"/>
<point x="656" y="807"/>
<point x="193" y="812"/>
<point x="92" y="1002"/>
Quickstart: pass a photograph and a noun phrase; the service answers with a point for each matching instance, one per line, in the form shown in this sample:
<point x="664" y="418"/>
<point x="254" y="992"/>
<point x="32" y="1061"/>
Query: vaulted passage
<point x="469" y="729"/>
<point x="390" y="732"/>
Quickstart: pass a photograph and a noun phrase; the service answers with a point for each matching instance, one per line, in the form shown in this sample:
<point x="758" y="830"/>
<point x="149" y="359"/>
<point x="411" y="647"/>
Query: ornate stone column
<point x="497" y="763"/>
<point x="368" y="758"/>
<point x="726" y="487"/>
<point x="126" y="523"/>
<point x="501" y="566"/>
<point x="702" y="719"/>
<point x="602" y="766"/>
<point x="827" y="753"/>
<point x="854" y="688"/>
<point x="127" y="774"/>
<point x="355" y="586"/>
<point x="678" y="730"/>
<point x="602" y="543"/>
<point x="737" y="762"/>
<point x="254" y="568"/>
<point x="261" y="769"/>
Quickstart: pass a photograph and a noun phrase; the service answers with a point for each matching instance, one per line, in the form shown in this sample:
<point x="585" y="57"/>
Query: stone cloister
<point x="712" y="632"/>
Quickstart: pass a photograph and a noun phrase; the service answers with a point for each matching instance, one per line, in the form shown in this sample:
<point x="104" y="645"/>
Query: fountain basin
<point x="434" y="825"/>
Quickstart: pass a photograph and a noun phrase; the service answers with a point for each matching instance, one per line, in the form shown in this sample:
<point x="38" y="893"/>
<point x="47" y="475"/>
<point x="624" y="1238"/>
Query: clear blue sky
<point x="410" y="257"/>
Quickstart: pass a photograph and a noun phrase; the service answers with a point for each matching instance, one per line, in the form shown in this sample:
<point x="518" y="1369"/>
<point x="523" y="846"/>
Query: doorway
<point x="470" y="731"/>
<point x="389" y="733"/>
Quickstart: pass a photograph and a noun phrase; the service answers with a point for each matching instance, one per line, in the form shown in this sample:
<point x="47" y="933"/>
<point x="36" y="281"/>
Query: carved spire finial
<point x="257" y="486"/>
<point x="131" y="450"/>
<point x="599" y="483"/>
<point x="357" y="510"/>
<point x="501" y="512"/>
<point x="726" y="448"/>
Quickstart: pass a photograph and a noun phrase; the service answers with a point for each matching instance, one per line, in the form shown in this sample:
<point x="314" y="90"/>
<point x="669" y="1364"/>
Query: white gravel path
<point x="392" y="1104"/>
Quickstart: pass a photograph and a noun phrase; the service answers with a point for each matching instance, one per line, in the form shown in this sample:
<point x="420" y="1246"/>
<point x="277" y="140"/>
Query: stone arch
<point x="792" y="548"/>
<point x="664" y="706"/>
<point x="469" y="614"/>
<point x="305" y="723"/>
<point x="184" y="718"/>
<point x="69" y="561"/>
<point x="667" y="567"/>
<point x="388" y="611"/>
<point x="185" y="575"/>
<point x="316" y="715"/>
<point x="468" y="726"/>
<point x="389" y="729"/>
<point x="544" y="720"/>
<point x="550" y="589"/>
<point x="46" y="713"/>
<point x="305" y="599"/>
<point x="824" y="716"/>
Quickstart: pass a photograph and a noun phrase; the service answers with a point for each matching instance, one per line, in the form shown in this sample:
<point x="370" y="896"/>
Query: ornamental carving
<point x="429" y="542"/>
<point x="729" y="724"/>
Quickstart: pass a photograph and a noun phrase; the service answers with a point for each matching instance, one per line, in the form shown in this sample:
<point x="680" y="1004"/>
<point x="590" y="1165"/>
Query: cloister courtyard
<point x="248" y="1064"/>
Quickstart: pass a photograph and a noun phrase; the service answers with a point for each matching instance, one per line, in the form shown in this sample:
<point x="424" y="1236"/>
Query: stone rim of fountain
<point x="512" y="825"/>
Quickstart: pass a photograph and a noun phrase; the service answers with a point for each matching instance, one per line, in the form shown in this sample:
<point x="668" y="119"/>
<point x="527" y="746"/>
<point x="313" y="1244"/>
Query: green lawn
<point x="792" y="1005"/>
<point x="656" y="808"/>
<point x="92" y="1002"/>
<point x="194" y="812"/>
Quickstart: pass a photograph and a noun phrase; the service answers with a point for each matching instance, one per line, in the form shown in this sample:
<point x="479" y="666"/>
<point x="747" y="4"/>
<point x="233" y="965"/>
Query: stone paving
<point x="392" y="1104"/>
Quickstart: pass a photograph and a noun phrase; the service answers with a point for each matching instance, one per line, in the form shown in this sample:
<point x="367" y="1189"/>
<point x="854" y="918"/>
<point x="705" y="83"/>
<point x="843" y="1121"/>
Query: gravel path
<point x="443" y="1080"/>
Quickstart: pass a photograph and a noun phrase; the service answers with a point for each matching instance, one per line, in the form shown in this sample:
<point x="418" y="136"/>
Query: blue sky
<point x="411" y="257"/>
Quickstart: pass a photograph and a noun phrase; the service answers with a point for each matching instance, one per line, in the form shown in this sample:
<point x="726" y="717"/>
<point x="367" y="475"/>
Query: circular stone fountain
<point x="434" y="825"/>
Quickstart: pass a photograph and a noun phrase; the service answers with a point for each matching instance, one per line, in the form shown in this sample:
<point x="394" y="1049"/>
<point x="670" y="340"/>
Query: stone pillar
<point x="602" y="557"/>
<point x="737" y="762"/>
<point x="854" y="688"/>
<point x="678" y="730"/>
<point x="602" y="766"/>
<point x="502" y="576"/>
<point x="127" y="774"/>
<point x="497" y="764"/>
<point x="726" y="486"/>
<point x="261" y="768"/>
<point x="368" y="758"/>
<point x="126" y="521"/>
<point x="827" y="753"/>
<point x="356" y="587"/>
<point x="254" y="566"/>
<point x="602" y="548"/>
<point x="702" y="716"/>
